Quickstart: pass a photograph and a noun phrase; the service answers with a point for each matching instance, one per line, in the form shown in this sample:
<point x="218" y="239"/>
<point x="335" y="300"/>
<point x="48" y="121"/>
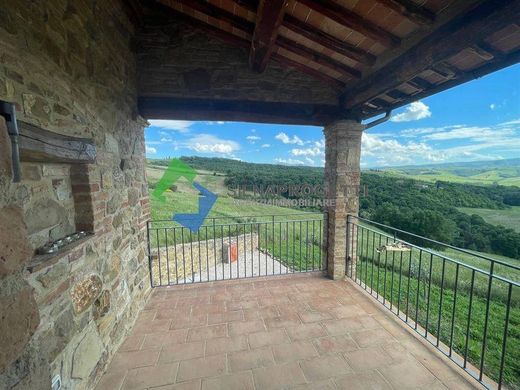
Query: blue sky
<point x="479" y="120"/>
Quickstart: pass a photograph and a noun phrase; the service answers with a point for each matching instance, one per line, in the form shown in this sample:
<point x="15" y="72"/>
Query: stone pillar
<point x="342" y="178"/>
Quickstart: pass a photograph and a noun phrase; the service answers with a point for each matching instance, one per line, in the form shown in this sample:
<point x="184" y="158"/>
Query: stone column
<point x="342" y="178"/>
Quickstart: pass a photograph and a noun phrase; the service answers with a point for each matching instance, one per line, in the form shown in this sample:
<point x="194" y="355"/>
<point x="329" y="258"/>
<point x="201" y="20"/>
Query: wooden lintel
<point x="327" y="40"/>
<point x="232" y="110"/>
<point x="347" y="18"/>
<point x="39" y="145"/>
<point x="462" y="32"/>
<point x="319" y="58"/>
<point x="268" y="20"/>
<point x="410" y="10"/>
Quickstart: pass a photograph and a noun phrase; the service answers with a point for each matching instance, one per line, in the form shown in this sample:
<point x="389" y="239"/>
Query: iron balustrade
<point x="465" y="304"/>
<point x="225" y="248"/>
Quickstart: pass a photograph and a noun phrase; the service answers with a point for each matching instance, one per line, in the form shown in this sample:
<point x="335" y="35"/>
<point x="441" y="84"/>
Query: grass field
<point x="509" y="218"/>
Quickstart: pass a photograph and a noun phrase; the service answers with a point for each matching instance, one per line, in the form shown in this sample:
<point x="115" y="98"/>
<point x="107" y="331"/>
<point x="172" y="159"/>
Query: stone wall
<point x="68" y="67"/>
<point x="178" y="60"/>
<point x="183" y="261"/>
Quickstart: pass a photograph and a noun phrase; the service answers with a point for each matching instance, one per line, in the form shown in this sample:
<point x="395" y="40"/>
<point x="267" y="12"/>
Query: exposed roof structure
<point x="355" y="58"/>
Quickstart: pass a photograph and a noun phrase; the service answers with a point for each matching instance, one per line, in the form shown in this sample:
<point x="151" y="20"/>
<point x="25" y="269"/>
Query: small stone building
<point x="90" y="72"/>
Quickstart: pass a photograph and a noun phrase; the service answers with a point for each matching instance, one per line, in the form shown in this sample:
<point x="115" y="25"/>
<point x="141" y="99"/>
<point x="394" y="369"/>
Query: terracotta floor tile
<point x="372" y="337"/>
<point x="132" y="343"/>
<point x="407" y="375"/>
<point x="271" y="337"/>
<point x="368" y="359"/>
<point x="177" y="352"/>
<point x="221" y="318"/>
<point x="278" y="376"/>
<point x="297" y="350"/>
<point x="269" y="332"/>
<point x="314" y="316"/>
<point x="226" y="344"/>
<point x="201" y="367"/>
<point x="207" y="332"/>
<point x="335" y="344"/>
<point x="247" y="360"/>
<point x="133" y="359"/>
<point x="111" y="380"/>
<point x="283" y="321"/>
<point x="326" y="384"/>
<point x="346" y="325"/>
<point x="144" y="377"/>
<point x="157" y="340"/>
<point x="191" y="385"/>
<point x="245" y="327"/>
<point x="305" y="331"/>
<point x="369" y="380"/>
<point x="324" y="367"/>
<point x="238" y="381"/>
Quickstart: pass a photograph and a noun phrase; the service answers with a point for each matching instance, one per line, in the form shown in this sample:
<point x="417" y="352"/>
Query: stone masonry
<point x="69" y="68"/>
<point x="342" y="178"/>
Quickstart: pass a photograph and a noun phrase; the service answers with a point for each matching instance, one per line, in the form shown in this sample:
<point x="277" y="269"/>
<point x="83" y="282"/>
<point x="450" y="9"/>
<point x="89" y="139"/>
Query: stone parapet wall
<point x="69" y="68"/>
<point x="182" y="261"/>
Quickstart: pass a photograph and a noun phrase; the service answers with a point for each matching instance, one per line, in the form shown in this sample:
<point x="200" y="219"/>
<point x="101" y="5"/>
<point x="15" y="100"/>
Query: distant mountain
<point x="503" y="172"/>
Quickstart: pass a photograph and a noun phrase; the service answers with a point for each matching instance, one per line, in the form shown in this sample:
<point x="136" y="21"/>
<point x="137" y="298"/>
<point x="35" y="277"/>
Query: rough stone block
<point x="15" y="250"/>
<point x="19" y="319"/>
<point x="87" y="354"/>
<point x="85" y="293"/>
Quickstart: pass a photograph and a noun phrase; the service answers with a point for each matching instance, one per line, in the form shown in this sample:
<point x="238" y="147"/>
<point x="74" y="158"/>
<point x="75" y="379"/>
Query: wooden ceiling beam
<point x="353" y="21"/>
<point x="462" y="32"/>
<point x="215" y="12"/>
<point x="321" y="38"/>
<point x="284" y="61"/>
<point x="410" y="10"/>
<point x="244" y="43"/>
<point x="236" y="110"/>
<point x="305" y="52"/>
<point x="268" y="20"/>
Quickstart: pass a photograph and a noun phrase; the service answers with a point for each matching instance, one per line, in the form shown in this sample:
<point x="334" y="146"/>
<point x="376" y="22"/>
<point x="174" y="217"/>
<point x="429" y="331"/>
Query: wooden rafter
<point x="327" y="40"/>
<point x="305" y="52"/>
<point x="353" y="21"/>
<point x="335" y="83"/>
<point x="268" y="20"/>
<point x="490" y="67"/>
<point x="410" y="10"/>
<point x="455" y="36"/>
<point x="215" y="12"/>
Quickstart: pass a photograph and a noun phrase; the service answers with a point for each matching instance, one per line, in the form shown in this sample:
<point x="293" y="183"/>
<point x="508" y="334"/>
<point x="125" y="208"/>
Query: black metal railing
<point x="466" y="304"/>
<point x="226" y="248"/>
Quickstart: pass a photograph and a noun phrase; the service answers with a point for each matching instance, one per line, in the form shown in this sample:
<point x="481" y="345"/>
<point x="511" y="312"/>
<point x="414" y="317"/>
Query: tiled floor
<point x="299" y="331"/>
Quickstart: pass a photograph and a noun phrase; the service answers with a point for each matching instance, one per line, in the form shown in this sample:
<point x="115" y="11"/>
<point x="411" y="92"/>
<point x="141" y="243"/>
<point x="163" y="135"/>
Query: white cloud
<point x="215" y="123"/>
<point x="265" y="146"/>
<point x="207" y="143"/>
<point x="284" y="138"/>
<point x="415" y="111"/>
<point x="315" y="151"/>
<point x="289" y="161"/>
<point x="309" y="160"/>
<point x="180" y="126"/>
<point x="474" y="133"/>
<point x="389" y="152"/>
<point x="492" y="106"/>
<point x="150" y="150"/>
<point x="166" y="139"/>
<point x="253" y="138"/>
